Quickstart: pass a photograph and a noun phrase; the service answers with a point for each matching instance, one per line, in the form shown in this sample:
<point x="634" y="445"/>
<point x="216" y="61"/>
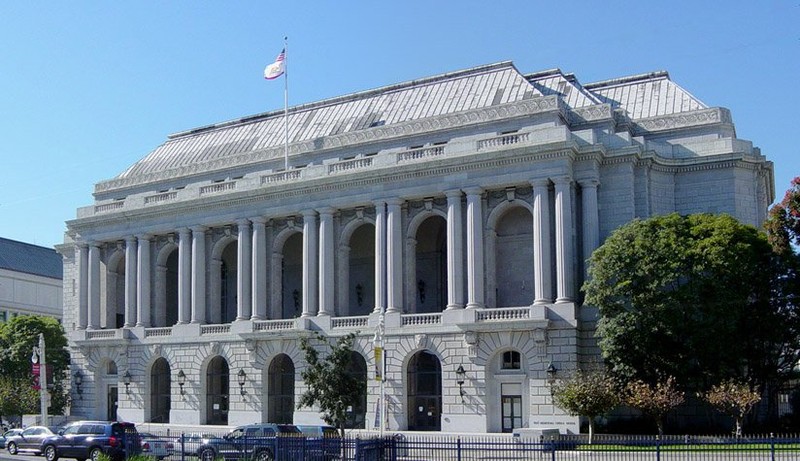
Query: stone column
<point x="198" y="274"/>
<point x="130" y="281"/>
<point x="455" y="256"/>
<point x="394" y="257"/>
<point x="310" y="260"/>
<point x="143" y="277"/>
<point x="326" y="275"/>
<point x="184" y="275"/>
<point x="542" y="256"/>
<point x="591" y="218"/>
<point x="380" y="257"/>
<point x="244" y="277"/>
<point x="94" y="286"/>
<point x="83" y="286"/>
<point x="259" y="260"/>
<point x="475" y="263"/>
<point x="564" y="244"/>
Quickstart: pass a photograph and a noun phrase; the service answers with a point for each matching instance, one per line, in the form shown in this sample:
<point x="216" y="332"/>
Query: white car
<point x="154" y="446"/>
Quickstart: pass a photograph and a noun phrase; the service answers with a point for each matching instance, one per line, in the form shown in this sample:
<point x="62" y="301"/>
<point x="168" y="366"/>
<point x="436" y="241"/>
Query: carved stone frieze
<point x="684" y="120"/>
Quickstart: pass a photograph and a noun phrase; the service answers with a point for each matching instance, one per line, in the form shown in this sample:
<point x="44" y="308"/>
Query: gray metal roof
<point x="640" y="96"/>
<point x="30" y="259"/>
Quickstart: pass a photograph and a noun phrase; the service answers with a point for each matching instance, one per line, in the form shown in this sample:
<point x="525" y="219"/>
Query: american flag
<point x="277" y="68"/>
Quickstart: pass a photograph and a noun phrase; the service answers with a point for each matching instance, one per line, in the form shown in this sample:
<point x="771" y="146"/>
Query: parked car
<point x="192" y="442"/>
<point x="89" y="439"/>
<point x="254" y="441"/>
<point x="7" y="434"/>
<point x="324" y="442"/>
<point x="154" y="446"/>
<point x="29" y="440"/>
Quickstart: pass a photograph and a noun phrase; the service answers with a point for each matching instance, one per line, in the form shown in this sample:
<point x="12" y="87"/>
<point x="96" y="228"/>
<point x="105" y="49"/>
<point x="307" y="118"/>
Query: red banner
<point x="35" y="369"/>
<point x="36" y="385"/>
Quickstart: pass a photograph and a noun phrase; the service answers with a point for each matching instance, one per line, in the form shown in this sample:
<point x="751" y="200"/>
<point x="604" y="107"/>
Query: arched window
<point x="358" y="369"/>
<point x="281" y="390"/>
<point x="160" y="392"/>
<point x="424" y="392"/>
<point x="217" y="382"/>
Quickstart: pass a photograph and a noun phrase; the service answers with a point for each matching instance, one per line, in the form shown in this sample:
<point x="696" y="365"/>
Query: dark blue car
<point x="84" y="440"/>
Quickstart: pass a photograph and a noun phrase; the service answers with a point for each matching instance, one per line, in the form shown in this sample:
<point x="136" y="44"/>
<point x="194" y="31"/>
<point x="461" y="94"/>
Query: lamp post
<point x="78" y="380"/>
<point x="181" y="382"/>
<point x="551" y="380"/>
<point x="39" y="356"/>
<point x="242" y="378"/>
<point x="460" y="377"/>
<point x="126" y="380"/>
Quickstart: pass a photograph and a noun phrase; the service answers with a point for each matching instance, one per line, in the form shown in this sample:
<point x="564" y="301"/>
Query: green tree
<point x="691" y="297"/>
<point x="734" y="398"/>
<point x="783" y="220"/>
<point x="331" y="385"/>
<point x="588" y="394"/>
<point x="654" y="400"/>
<point x="17" y="396"/>
<point x="18" y="336"/>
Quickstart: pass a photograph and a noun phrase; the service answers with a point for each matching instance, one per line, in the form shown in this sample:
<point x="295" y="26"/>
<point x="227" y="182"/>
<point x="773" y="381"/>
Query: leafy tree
<point x="691" y="297"/>
<point x="654" y="400"/>
<point x="783" y="221"/>
<point x="330" y="384"/>
<point x="734" y="398"/>
<point x="17" y="396"/>
<point x="588" y="394"/>
<point x="18" y="336"/>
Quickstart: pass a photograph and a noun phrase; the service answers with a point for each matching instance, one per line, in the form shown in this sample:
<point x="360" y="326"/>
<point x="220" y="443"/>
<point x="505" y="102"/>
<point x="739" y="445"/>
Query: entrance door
<point x="112" y="403"/>
<point x="424" y="392"/>
<point x="511" y="406"/>
<point x="217" y="380"/>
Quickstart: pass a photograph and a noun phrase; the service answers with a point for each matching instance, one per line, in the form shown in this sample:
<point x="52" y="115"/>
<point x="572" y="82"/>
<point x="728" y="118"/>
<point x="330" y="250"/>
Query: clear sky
<point x="89" y="87"/>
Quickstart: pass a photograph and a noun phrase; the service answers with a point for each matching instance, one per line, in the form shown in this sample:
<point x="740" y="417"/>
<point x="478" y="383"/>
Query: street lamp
<point x="78" y="380"/>
<point x="181" y="382"/>
<point x="126" y="380"/>
<point x="460" y="376"/>
<point x="551" y="373"/>
<point x="242" y="376"/>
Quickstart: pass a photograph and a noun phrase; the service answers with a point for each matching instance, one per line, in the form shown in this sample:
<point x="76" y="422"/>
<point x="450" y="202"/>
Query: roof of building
<point x="30" y="259"/>
<point x="640" y="96"/>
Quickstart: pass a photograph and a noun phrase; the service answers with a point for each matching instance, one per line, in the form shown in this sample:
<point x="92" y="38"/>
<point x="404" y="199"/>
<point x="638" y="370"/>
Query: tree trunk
<point x="591" y="430"/>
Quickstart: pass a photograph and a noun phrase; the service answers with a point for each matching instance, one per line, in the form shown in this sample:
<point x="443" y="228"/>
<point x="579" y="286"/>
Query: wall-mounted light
<point x="181" y="382"/>
<point x="242" y="377"/>
<point x="551" y="373"/>
<point x="460" y="377"/>
<point x="126" y="380"/>
<point x="78" y="380"/>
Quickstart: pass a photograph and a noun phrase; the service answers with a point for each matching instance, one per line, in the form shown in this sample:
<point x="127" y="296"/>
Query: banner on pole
<point x="378" y="363"/>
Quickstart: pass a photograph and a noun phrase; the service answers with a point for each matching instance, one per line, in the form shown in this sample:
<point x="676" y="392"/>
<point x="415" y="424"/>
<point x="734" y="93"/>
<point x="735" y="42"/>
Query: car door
<point x="36" y="439"/>
<point x="65" y="444"/>
<point x="28" y="439"/>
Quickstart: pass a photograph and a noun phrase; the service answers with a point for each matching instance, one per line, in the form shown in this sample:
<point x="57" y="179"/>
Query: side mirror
<point x="61" y="432"/>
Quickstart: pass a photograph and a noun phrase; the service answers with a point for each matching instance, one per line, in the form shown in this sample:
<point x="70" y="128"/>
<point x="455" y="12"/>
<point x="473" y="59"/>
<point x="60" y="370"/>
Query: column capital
<point x="198" y="229"/>
<point x="309" y="213"/>
<point x="326" y="210"/>
<point x="258" y="219"/>
<point x="539" y="182"/>
<point x="130" y="239"/>
<point x="183" y="231"/>
<point x="589" y="182"/>
<point x="453" y="193"/>
<point x="240" y="222"/>
<point x="562" y="180"/>
<point x="144" y="237"/>
<point x="82" y="245"/>
<point x="394" y="201"/>
<point x="473" y="190"/>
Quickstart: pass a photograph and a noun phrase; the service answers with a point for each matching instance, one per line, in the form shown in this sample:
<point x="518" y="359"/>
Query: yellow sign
<point x="378" y="363"/>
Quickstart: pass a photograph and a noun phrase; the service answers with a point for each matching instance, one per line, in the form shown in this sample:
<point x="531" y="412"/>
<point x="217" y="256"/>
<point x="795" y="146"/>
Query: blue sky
<point x="89" y="87"/>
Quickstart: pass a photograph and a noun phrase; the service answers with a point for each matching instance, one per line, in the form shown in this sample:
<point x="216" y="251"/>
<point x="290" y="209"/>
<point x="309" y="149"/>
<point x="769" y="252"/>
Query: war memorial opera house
<point x="463" y="204"/>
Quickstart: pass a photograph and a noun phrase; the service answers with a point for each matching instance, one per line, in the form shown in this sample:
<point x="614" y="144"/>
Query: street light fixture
<point x="460" y="377"/>
<point x="126" y="380"/>
<point x="78" y="380"/>
<point x="181" y="382"/>
<point x="242" y="379"/>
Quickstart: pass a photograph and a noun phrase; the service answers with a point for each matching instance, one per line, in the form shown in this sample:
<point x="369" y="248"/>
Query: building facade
<point x="456" y="210"/>
<point x="30" y="280"/>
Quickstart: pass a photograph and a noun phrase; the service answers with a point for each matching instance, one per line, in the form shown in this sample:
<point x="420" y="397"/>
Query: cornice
<point x="684" y="120"/>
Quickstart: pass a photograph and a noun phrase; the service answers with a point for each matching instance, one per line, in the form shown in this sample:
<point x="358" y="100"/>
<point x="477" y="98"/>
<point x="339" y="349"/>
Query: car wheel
<point x="12" y="448"/>
<point x="264" y="455"/>
<point x="207" y="454"/>
<point x="50" y="453"/>
<point x="94" y="455"/>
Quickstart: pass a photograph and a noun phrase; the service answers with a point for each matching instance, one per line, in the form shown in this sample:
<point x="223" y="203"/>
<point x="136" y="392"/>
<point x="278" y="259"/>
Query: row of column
<point x="318" y="259"/>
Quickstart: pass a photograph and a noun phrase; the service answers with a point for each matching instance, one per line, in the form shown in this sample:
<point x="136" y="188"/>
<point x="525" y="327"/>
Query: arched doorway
<point x="431" y="265"/>
<point x="217" y="385"/>
<point x="160" y="392"/>
<point x="166" y="308"/>
<point x="361" y="269"/>
<point x="513" y="250"/>
<point x="280" y="390"/>
<point x="424" y="378"/>
<point x="357" y="368"/>
<point x="228" y="283"/>
<point x="292" y="277"/>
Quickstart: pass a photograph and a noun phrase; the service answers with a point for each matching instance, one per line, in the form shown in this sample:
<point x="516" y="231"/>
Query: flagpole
<point x="286" y="104"/>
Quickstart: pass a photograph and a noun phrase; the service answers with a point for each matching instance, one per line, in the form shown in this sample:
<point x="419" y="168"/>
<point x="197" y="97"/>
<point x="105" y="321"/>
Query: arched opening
<point x="113" y="300"/>
<point x="507" y="391"/>
<point x="361" y="270"/>
<point x="514" y="257"/>
<point x="217" y="394"/>
<point x="160" y="392"/>
<point x="431" y="265"/>
<point x="424" y="378"/>
<point x="228" y="283"/>
<point x="357" y="369"/>
<point x="107" y="382"/>
<point x="166" y="311"/>
<point x="292" y="277"/>
<point x="280" y="390"/>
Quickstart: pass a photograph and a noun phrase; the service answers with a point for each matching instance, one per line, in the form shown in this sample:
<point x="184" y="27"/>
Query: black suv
<point x="89" y="439"/>
<point x="254" y="441"/>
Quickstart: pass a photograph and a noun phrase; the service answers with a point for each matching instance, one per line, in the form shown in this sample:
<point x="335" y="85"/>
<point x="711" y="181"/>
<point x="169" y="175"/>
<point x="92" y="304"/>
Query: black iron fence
<point x="434" y="447"/>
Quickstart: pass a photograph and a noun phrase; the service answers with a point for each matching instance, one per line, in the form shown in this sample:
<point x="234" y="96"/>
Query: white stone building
<point x="30" y="280"/>
<point x="464" y="204"/>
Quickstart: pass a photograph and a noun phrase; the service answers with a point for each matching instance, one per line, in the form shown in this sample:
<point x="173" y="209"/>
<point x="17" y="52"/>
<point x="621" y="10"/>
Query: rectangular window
<point x="511" y="360"/>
